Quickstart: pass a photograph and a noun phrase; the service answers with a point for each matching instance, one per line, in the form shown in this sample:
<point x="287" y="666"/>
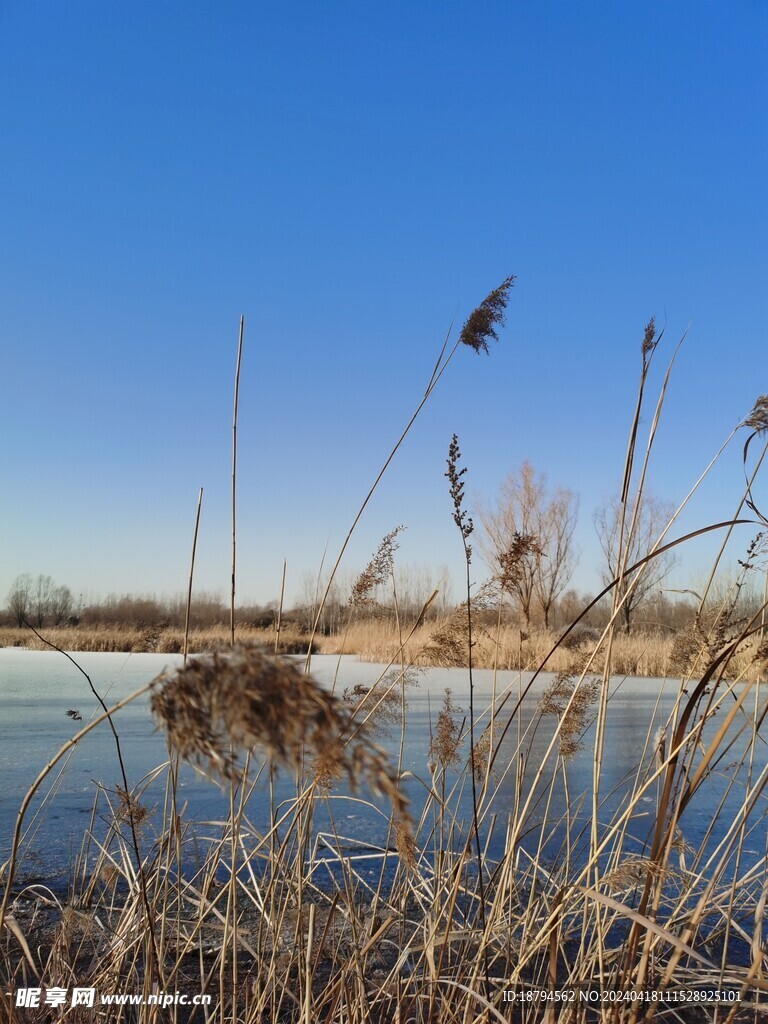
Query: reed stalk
<point x="234" y="480"/>
<point x="191" y="574"/>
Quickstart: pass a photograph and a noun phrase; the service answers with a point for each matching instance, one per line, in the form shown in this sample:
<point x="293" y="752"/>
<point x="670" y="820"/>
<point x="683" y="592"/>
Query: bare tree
<point x="445" y="599"/>
<point x="525" y="509"/>
<point x="41" y="598"/>
<point x="415" y="584"/>
<point x="60" y="604"/>
<point x="556" y="556"/>
<point x="313" y="587"/>
<point x="642" y="528"/>
<point x="19" y="597"/>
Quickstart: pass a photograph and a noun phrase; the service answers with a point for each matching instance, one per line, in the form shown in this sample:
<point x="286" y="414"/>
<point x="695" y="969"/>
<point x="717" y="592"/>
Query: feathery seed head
<point x="448" y="645"/>
<point x="378" y="571"/>
<point x="444" y="748"/>
<point x="129" y="807"/>
<point x="633" y="872"/>
<point x="454" y="474"/>
<point x="758" y="418"/>
<point x="650" y="339"/>
<point x="698" y="643"/>
<point x="479" y="755"/>
<point x="511" y="562"/>
<point x="405" y="844"/>
<point x="570" y="700"/>
<point x="221" y="704"/>
<point x="481" y="323"/>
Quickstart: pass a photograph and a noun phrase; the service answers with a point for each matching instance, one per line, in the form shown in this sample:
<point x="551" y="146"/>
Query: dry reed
<point x="246" y="700"/>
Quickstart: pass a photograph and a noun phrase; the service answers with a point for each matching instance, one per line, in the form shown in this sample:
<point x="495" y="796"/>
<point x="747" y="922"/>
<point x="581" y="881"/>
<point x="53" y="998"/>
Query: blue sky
<point x="351" y="177"/>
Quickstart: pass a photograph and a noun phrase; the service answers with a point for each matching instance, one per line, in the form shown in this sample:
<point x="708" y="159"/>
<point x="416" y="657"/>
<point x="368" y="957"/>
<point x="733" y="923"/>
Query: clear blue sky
<point x="351" y="176"/>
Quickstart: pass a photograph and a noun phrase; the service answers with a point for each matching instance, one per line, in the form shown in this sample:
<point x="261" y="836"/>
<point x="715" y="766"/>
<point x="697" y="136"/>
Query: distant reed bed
<point x="442" y="645"/>
<point x="152" y="639"/>
<point x="379" y="640"/>
<point x="376" y="640"/>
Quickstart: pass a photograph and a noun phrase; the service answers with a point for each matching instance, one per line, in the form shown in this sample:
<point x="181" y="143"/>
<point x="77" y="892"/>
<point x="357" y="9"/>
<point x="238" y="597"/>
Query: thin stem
<point x="234" y="480"/>
<point x="191" y="573"/>
<point x="434" y="379"/>
<point x="280" y="610"/>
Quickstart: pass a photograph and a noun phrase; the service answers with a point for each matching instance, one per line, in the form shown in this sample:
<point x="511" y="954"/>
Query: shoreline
<point x="434" y="645"/>
<point x="641" y="654"/>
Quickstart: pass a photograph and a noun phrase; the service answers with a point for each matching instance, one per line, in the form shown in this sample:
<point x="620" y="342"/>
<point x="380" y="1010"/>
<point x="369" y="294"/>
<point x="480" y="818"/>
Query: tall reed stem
<point x="234" y="480"/>
<point x="280" y="609"/>
<point x="191" y="573"/>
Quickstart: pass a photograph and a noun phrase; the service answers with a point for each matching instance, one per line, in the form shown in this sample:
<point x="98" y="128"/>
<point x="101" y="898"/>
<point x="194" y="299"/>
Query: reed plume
<point x="444" y="748"/>
<point x="758" y="418"/>
<point x="570" y="700"/>
<point x="448" y="645"/>
<point x="511" y="562"/>
<point x="633" y="872"/>
<point x="700" y="641"/>
<point x="650" y="340"/>
<point x="481" y="324"/>
<point x="456" y="488"/>
<point x="479" y="755"/>
<point x="222" y="704"/>
<point x="127" y="806"/>
<point x="378" y="571"/>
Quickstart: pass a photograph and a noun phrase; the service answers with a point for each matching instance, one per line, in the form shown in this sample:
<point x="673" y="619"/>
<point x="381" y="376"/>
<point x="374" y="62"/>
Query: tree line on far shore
<point x="527" y="514"/>
<point x="39" y="600"/>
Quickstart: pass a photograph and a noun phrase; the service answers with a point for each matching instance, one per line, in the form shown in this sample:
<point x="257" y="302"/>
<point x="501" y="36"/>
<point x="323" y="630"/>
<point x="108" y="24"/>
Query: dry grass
<point x="246" y="700"/>
<point x="152" y="639"/>
<point x="443" y="644"/>
<point x="440" y="644"/>
<point x="272" y="941"/>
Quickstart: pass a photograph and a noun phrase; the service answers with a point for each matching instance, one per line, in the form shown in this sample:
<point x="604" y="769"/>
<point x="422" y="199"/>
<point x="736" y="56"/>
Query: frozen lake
<point x="37" y="689"/>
